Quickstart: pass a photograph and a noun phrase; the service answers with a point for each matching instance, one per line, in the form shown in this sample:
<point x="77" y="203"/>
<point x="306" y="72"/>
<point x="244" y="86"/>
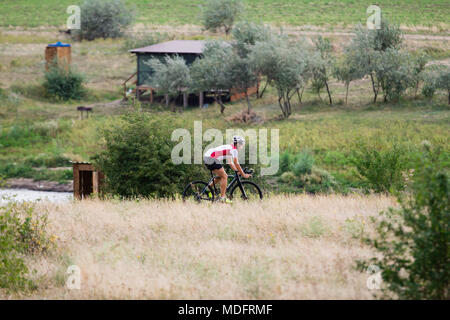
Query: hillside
<point x="424" y="15"/>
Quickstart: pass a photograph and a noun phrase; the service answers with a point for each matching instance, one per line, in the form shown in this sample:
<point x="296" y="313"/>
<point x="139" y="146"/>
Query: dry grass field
<point x="301" y="247"/>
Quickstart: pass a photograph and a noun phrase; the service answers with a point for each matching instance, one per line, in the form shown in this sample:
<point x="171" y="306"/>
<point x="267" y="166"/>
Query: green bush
<point x="443" y="81"/>
<point x="22" y="232"/>
<point x="288" y="177"/>
<point x="437" y="78"/>
<point x="103" y="19"/>
<point x="304" y="175"/>
<point x="64" y="83"/>
<point x="219" y="14"/>
<point x="430" y="84"/>
<point x="381" y="168"/>
<point x="317" y="181"/>
<point x="136" y="159"/>
<point x="285" y="162"/>
<point x="413" y="241"/>
<point x="304" y="162"/>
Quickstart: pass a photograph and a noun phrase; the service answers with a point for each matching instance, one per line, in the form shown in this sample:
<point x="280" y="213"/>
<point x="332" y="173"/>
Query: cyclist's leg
<point x="211" y="165"/>
<point x="216" y="180"/>
<point x="223" y="180"/>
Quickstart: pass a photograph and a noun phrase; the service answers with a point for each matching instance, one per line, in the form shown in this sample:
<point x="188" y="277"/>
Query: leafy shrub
<point x="413" y="241"/>
<point x="63" y="83"/>
<point x="443" y="81"/>
<point x="304" y="175"/>
<point x="430" y="84"/>
<point x="22" y="232"/>
<point x="288" y="177"/>
<point x="381" y="169"/>
<point x="136" y="158"/>
<point x="304" y="162"/>
<point x="285" y="162"/>
<point x="436" y="78"/>
<point x="318" y="180"/>
<point x="103" y="19"/>
<point x="217" y="14"/>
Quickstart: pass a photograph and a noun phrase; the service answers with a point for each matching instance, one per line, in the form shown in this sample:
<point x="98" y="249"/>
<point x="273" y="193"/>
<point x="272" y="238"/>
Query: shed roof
<point x="174" y="46"/>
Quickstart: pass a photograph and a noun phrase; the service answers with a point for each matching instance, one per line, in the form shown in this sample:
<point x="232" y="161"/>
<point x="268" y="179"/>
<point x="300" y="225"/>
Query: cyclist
<point x="214" y="158"/>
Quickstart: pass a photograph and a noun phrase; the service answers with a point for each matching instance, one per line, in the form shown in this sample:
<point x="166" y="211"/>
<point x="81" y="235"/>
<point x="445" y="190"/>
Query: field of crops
<point x="425" y="13"/>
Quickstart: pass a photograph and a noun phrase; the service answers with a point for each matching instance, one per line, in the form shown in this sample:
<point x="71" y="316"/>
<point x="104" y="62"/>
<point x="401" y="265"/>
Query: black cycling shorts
<point x="212" y="164"/>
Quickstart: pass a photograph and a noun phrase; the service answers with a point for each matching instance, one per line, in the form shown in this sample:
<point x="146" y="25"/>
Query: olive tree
<point x="218" y="14"/>
<point x="171" y="76"/>
<point x="103" y="19"/>
<point x="245" y="35"/>
<point x="322" y="66"/>
<point x="209" y="72"/>
<point x="419" y="61"/>
<point x="285" y="65"/>
<point x="394" y="71"/>
<point x="443" y="80"/>
<point x="366" y="46"/>
<point x="347" y="72"/>
<point x="242" y="74"/>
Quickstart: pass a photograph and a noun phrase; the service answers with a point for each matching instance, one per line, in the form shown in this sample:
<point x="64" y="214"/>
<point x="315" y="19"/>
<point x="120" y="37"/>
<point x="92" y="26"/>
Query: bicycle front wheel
<point x="250" y="191"/>
<point x="198" y="191"/>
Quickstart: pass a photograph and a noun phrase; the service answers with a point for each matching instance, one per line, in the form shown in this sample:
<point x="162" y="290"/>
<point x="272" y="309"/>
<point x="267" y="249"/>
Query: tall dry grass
<point x="301" y="247"/>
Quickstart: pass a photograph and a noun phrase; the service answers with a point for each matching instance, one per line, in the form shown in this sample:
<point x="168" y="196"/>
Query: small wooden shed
<point x="189" y="50"/>
<point x="86" y="180"/>
<point x="59" y="51"/>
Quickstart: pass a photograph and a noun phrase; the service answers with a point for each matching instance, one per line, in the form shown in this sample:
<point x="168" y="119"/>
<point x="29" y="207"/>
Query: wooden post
<point x="167" y="100"/>
<point x="151" y="95"/>
<point x="200" y="99"/>
<point x="185" y="100"/>
<point x="137" y="93"/>
<point x="95" y="182"/>
<point x="76" y="182"/>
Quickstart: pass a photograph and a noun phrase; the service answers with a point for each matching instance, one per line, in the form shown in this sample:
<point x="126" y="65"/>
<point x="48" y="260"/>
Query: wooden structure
<point x="86" y="180"/>
<point x="189" y="50"/>
<point x="83" y="108"/>
<point x="58" y="52"/>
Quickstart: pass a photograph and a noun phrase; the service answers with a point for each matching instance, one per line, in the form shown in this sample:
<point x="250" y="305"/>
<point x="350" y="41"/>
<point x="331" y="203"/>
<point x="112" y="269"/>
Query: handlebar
<point x="246" y="170"/>
<point x="249" y="171"/>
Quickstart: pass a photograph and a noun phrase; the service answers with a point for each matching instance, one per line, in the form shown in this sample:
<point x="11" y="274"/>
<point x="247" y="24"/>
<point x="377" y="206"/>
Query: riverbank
<point x="30" y="184"/>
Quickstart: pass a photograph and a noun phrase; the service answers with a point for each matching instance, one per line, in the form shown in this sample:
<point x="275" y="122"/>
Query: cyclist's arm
<point x="234" y="164"/>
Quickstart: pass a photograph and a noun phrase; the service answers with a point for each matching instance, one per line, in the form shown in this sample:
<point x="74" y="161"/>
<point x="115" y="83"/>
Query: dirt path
<point x="190" y="30"/>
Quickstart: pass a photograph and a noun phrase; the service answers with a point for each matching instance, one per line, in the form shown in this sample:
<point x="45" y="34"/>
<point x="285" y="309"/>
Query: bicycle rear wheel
<point x="251" y="191"/>
<point x="198" y="191"/>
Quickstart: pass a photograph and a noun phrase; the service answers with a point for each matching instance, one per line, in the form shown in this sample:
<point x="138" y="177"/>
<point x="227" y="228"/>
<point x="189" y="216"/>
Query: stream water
<point x="32" y="195"/>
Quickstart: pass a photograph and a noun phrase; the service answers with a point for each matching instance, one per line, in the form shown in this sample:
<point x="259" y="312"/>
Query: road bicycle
<point x="237" y="188"/>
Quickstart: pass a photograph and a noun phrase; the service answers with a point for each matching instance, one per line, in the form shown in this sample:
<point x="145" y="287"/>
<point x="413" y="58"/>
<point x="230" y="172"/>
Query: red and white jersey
<point x="222" y="152"/>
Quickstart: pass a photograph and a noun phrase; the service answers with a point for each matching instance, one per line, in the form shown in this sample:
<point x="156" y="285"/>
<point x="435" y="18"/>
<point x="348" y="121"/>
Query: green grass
<point x="30" y="140"/>
<point x="34" y="13"/>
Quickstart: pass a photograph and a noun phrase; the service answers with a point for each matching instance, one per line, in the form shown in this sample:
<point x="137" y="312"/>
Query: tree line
<point x="259" y="54"/>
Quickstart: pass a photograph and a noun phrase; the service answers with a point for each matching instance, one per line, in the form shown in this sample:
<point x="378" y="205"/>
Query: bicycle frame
<point x="235" y="180"/>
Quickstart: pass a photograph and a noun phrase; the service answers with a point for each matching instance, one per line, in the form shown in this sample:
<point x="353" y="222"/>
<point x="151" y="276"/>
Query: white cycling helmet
<point x="238" y="140"/>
